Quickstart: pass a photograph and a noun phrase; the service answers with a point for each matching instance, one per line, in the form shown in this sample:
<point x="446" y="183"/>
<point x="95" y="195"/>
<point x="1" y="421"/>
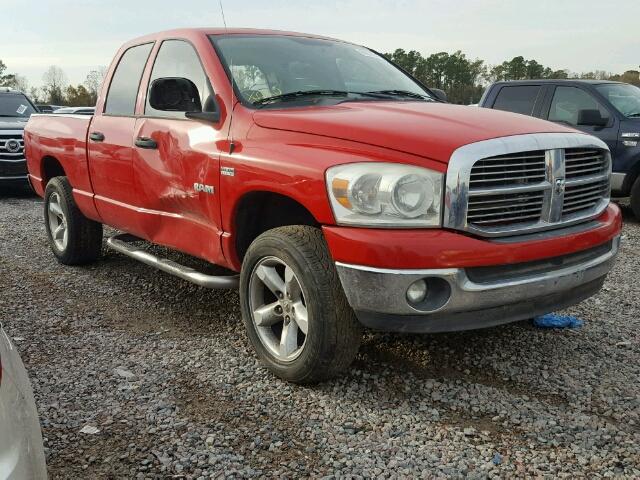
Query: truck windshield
<point x="625" y="97"/>
<point x="285" y="68"/>
<point x="13" y="105"/>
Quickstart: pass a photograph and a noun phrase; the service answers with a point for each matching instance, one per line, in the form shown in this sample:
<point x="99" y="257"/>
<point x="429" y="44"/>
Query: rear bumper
<point x="469" y="298"/>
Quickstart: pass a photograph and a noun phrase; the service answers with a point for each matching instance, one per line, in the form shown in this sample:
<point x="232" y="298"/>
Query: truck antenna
<point x="232" y="145"/>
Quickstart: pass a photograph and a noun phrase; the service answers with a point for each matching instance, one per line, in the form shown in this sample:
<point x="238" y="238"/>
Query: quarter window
<point x="517" y="99"/>
<point x="177" y="58"/>
<point x="567" y="103"/>
<point x="121" y="99"/>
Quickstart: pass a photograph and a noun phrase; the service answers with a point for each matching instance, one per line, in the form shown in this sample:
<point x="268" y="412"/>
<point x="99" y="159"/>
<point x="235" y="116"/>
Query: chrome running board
<point x="123" y="244"/>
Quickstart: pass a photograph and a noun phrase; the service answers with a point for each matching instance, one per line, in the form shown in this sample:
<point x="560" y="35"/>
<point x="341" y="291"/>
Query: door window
<point x="123" y="91"/>
<point x="177" y="58"/>
<point x="520" y="99"/>
<point x="567" y="103"/>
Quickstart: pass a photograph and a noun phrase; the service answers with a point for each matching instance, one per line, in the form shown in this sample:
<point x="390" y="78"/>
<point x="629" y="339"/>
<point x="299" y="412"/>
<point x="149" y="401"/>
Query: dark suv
<point x="607" y="110"/>
<point x="15" y="110"/>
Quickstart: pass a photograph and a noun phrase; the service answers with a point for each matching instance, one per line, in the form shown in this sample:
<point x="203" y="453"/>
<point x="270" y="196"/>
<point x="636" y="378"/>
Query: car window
<point x="121" y="99"/>
<point x="624" y="97"/>
<point x="520" y="99"/>
<point x="177" y="58"/>
<point x="13" y="105"/>
<point x="567" y="103"/>
<point x="267" y="65"/>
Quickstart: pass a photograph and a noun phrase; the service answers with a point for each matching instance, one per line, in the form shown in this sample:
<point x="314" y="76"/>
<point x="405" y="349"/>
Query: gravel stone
<point x="164" y="370"/>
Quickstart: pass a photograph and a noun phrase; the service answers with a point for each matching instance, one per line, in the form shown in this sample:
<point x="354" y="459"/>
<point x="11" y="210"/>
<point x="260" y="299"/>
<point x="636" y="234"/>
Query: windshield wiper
<point x="298" y="94"/>
<point x="633" y="115"/>
<point x="311" y="93"/>
<point x="401" y="93"/>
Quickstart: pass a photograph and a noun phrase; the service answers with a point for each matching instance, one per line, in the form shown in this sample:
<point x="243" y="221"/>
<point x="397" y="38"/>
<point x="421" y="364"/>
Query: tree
<point x="630" y="76"/>
<point x="55" y="81"/>
<point x="78" y="96"/>
<point x="35" y="94"/>
<point x="93" y="83"/>
<point x="5" y="80"/>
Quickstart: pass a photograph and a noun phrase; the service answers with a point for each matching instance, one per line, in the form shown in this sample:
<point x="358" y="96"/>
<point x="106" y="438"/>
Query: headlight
<point x="385" y="195"/>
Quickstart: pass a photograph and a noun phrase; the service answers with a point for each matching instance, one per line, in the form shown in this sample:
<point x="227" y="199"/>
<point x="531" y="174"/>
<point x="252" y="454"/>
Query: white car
<point x="75" y="110"/>
<point x="21" y="448"/>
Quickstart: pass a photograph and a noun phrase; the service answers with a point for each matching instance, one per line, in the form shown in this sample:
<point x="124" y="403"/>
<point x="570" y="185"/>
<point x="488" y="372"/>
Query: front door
<point x="177" y="164"/>
<point x="566" y="105"/>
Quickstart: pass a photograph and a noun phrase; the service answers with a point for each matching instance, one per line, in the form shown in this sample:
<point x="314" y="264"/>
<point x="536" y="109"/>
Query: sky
<point x="579" y="35"/>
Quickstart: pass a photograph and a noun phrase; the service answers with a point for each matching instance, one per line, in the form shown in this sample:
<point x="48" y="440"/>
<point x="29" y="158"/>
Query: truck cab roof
<point x="563" y="81"/>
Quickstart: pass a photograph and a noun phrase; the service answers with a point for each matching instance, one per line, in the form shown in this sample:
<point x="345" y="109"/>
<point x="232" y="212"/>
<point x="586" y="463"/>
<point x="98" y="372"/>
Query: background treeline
<point x="55" y="89"/>
<point x="464" y="80"/>
<point x="461" y="78"/>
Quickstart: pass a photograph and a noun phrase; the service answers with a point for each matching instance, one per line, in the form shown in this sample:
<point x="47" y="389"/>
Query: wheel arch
<point x="50" y="167"/>
<point x="257" y="211"/>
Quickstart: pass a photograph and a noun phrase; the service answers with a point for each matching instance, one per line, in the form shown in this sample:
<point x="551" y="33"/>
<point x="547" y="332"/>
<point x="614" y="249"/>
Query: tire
<point x="333" y="333"/>
<point x="81" y="239"/>
<point x="634" y="201"/>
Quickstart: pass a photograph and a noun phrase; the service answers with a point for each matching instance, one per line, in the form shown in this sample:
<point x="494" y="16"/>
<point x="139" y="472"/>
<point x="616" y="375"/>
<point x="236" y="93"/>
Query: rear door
<point x="176" y="162"/>
<point x="110" y="143"/>
<point x="523" y="99"/>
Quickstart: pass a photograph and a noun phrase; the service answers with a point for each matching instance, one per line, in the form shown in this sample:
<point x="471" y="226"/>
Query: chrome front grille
<point x="7" y="140"/>
<point x="526" y="183"/>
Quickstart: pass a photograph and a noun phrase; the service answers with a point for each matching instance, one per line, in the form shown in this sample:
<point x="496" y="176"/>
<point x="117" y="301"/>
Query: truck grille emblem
<point x="560" y="186"/>
<point x="12" y="146"/>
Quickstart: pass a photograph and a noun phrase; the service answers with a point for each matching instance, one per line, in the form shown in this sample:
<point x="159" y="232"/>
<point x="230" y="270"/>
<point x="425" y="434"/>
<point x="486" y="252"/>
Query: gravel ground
<point x="164" y="371"/>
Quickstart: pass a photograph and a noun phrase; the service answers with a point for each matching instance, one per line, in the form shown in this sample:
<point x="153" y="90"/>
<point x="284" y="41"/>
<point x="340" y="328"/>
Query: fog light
<point x="417" y="292"/>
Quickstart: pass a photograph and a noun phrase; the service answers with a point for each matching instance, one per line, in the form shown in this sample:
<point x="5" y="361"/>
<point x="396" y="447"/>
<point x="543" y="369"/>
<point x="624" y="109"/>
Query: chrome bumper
<point x="378" y="296"/>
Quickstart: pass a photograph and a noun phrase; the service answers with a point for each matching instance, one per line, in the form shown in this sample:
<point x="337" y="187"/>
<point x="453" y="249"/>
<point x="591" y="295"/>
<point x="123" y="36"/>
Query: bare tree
<point x="55" y="81"/>
<point x="93" y="82"/>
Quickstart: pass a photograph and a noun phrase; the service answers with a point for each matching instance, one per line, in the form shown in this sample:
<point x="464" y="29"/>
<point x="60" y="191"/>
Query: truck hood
<point x="12" y="123"/>
<point x="431" y="130"/>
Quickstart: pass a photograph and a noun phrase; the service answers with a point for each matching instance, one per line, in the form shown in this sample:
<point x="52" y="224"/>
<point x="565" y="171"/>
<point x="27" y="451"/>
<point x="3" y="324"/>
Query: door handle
<point x="96" y="136"/>
<point x="145" y="142"/>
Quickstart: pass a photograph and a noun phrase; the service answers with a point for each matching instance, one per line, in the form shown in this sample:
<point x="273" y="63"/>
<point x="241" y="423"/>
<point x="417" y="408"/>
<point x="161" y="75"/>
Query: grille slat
<point x="509" y="220"/>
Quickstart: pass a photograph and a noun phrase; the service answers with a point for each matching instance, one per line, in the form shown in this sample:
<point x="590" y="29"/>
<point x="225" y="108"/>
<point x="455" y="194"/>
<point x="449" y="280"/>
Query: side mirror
<point x="440" y="94"/>
<point x="174" y="95"/>
<point x="592" y="118"/>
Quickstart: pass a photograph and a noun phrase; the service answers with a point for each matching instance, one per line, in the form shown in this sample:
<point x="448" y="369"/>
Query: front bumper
<point x="477" y="297"/>
<point x="13" y="172"/>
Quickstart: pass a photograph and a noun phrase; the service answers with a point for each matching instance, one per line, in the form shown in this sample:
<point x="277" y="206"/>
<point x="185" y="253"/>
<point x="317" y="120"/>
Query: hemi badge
<point x="228" y="171"/>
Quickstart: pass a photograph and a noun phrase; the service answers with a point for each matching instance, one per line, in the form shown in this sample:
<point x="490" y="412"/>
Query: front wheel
<point x="293" y="306"/>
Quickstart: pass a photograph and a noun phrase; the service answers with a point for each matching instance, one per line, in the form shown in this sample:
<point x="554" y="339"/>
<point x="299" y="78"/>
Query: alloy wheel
<point x="278" y="308"/>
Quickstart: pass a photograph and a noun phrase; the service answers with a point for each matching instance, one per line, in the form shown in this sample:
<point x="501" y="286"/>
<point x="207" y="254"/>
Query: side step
<point x="123" y="244"/>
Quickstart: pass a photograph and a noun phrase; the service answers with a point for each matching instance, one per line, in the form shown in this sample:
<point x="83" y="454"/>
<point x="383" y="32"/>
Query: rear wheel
<point x="293" y="306"/>
<point x="74" y="239"/>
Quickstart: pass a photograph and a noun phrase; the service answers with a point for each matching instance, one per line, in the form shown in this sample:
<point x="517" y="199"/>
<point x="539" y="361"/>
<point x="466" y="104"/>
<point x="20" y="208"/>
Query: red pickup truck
<point x="343" y="191"/>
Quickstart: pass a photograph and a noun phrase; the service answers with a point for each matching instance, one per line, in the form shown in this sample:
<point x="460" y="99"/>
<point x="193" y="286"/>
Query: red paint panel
<point x="420" y="249"/>
<point x="431" y="130"/>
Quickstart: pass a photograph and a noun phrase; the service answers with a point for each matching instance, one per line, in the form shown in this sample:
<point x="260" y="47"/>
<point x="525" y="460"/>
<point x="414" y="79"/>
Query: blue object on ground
<point x="551" y="320"/>
<point x="497" y="459"/>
